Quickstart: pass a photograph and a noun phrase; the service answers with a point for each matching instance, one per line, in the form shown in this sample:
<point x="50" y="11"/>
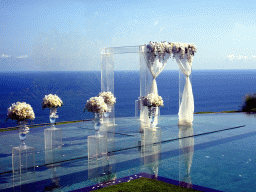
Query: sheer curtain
<point x="186" y="109"/>
<point x="155" y="67"/>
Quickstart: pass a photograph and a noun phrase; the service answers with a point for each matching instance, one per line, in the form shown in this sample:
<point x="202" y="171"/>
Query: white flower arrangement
<point x="152" y="100"/>
<point x="51" y="101"/>
<point x="20" y="111"/>
<point x="161" y="48"/>
<point x="96" y="105"/>
<point x="108" y="97"/>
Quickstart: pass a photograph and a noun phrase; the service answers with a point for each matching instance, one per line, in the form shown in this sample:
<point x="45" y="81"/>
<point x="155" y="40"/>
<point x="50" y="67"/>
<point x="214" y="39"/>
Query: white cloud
<point x="155" y="23"/>
<point x="22" y="56"/>
<point x="231" y="57"/>
<point x="239" y="57"/>
<point x="5" y="56"/>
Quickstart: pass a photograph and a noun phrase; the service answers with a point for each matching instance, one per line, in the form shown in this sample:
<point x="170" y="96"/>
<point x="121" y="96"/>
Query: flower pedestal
<point x="97" y="146"/>
<point x="52" y="138"/>
<point x="23" y="164"/>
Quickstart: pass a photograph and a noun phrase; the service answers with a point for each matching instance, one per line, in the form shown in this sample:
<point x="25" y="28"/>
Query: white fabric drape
<point x="186" y="109"/>
<point x="156" y="67"/>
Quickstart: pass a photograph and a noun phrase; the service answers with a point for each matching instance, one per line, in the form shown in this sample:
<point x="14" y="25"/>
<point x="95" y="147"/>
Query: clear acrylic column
<point x="107" y="85"/>
<point x="23" y="164"/>
<point x="107" y="79"/>
<point x="53" y="138"/>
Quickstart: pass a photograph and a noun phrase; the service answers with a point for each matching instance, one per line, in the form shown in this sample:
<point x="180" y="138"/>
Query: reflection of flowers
<point x="51" y="101"/>
<point x="161" y="48"/>
<point x="152" y="100"/>
<point x="53" y="113"/>
<point x="96" y="105"/>
<point x="23" y="128"/>
<point x="108" y="97"/>
<point x="20" y="111"/>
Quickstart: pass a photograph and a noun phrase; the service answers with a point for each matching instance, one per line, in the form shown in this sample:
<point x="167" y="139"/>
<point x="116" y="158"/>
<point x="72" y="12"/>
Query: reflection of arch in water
<point x="186" y="146"/>
<point x="151" y="149"/>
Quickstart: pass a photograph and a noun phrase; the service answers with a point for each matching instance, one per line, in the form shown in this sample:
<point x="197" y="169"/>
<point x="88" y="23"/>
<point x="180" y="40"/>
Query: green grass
<point x="207" y="112"/>
<point x="204" y="112"/>
<point x="143" y="185"/>
<point x="230" y="111"/>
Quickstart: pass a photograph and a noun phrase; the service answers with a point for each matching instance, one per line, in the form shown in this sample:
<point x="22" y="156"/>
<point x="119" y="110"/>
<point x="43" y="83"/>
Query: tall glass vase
<point x="23" y="131"/>
<point x="152" y="113"/>
<point x="53" y="116"/>
<point x="98" y="122"/>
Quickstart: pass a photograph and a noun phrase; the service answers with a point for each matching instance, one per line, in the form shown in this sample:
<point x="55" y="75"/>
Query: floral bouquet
<point x="51" y="101"/>
<point x="96" y="105"/>
<point x="152" y="100"/>
<point x="109" y="99"/>
<point x="21" y="112"/>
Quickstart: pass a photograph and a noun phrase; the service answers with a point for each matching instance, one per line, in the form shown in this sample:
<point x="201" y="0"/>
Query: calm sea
<point x="214" y="90"/>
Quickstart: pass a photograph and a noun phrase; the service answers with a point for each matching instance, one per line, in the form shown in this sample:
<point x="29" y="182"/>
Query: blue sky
<point x="69" y="35"/>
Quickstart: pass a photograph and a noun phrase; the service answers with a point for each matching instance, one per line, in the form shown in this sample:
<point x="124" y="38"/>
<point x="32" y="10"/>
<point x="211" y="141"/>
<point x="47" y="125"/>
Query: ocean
<point x="214" y="90"/>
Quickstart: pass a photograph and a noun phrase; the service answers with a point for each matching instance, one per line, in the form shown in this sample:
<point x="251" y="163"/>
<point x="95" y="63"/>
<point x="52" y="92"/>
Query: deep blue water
<point x="214" y="90"/>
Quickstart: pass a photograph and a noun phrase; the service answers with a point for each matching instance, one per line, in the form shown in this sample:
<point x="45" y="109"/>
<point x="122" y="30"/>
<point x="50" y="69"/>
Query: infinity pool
<point x="217" y="152"/>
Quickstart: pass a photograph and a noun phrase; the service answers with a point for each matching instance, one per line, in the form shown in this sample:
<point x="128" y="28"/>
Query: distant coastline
<point x="77" y="121"/>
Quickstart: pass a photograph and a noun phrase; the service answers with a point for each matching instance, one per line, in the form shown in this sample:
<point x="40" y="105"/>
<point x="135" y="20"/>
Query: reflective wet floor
<point x="217" y="152"/>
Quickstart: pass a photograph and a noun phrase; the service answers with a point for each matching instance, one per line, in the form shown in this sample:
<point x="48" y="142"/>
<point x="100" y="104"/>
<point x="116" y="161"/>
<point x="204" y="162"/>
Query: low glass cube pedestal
<point x="97" y="146"/>
<point x="53" y="138"/>
<point x="23" y="164"/>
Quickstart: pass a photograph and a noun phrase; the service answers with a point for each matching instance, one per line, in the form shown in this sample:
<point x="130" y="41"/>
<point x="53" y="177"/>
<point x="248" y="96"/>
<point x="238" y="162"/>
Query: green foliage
<point x="204" y="112"/>
<point x="249" y="105"/>
<point x="144" y="185"/>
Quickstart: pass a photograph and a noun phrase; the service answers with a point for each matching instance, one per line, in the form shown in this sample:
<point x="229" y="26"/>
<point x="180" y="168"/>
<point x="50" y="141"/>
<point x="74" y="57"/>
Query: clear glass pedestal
<point x="53" y="138"/>
<point x="23" y="164"/>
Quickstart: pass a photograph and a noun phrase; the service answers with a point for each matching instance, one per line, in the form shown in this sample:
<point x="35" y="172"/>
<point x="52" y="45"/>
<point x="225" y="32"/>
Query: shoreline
<point x="76" y="121"/>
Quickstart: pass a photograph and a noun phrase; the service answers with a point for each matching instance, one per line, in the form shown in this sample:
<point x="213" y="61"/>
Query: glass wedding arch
<point x="151" y="65"/>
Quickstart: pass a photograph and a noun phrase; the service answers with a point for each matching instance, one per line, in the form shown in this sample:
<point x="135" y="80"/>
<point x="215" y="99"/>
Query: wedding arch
<point x="153" y="58"/>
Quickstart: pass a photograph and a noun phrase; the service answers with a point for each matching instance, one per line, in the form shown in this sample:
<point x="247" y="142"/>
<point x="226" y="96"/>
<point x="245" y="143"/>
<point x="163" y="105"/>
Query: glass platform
<point x="217" y="152"/>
